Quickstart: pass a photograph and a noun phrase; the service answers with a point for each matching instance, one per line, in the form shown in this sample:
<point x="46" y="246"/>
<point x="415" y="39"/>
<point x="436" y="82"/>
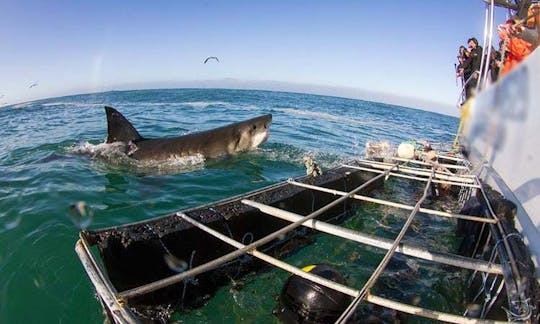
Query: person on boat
<point x="476" y="53"/>
<point x="495" y="63"/>
<point x="515" y="49"/>
<point x="461" y="51"/>
<point x="459" y="69"/>
<point x="525" y="26"/>
<point x="534" y="9"/>
<point x="465" y="71"/>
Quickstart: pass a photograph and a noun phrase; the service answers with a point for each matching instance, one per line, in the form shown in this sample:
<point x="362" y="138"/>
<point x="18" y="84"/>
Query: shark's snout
<point x="260" y="130"/>
<point x="259" y="138"/>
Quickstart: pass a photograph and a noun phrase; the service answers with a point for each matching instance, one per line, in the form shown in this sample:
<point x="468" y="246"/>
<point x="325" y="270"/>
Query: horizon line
<point x="266" y="85"/>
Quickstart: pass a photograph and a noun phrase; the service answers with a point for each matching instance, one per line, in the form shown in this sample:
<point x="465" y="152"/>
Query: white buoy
<point x="405" y="151"/>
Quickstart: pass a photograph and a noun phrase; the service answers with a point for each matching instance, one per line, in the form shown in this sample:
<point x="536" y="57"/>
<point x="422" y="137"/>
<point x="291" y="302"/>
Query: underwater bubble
<point x="247" y="238"/>
<point x="9" y="225"/>
<point x="473" y="310"/>
<point x="81" y="215"/>
<point x="415" y="300"/>
<point x="174" y="263"/>
<point x="413" y="265"/>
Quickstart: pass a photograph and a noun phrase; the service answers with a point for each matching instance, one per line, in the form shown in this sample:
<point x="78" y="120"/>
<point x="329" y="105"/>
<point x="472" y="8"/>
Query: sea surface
<point x="53" y="157"/>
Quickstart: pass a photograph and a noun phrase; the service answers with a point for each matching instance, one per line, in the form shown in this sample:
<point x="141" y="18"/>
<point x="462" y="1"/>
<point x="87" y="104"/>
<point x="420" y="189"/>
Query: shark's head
<point x="253" y="132"/>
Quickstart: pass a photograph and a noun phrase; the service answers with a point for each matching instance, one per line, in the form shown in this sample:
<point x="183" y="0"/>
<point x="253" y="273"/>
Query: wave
<point x="327" y="116"/>
<point x="192" y="104"/>
<point x="204" y="104"/>
<point x="73" y="104"/>
<point x="23" y="105"/>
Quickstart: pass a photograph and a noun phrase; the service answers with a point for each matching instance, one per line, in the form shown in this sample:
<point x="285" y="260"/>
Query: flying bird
<point x="33" y="84"/>
<point x="211" y="58"/>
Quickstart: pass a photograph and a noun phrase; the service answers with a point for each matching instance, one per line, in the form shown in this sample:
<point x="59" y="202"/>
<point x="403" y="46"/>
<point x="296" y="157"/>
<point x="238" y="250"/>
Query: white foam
<point x="174" y="163"/>
<point x="103" y="150"/>
<point x="115" y="154"/>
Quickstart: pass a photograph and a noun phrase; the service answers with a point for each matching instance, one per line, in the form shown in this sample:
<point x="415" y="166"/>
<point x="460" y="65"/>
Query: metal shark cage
<point x="493" y="259"/>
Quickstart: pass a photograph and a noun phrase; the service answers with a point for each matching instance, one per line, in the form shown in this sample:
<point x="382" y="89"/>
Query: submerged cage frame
<point x="117" y="303"/>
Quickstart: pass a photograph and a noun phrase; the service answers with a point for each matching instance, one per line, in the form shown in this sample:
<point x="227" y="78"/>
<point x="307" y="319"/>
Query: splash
<point x="115" y="154"/>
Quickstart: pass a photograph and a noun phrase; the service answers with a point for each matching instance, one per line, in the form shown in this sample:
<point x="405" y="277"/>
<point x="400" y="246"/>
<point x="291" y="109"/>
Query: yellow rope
<point x="465" y="111"/>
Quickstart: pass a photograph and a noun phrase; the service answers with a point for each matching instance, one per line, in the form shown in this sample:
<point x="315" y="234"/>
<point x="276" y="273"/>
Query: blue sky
<point x="400" y="48"/>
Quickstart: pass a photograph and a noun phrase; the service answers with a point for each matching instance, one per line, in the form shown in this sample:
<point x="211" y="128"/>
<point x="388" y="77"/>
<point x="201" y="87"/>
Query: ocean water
<point x="52" y="156"/>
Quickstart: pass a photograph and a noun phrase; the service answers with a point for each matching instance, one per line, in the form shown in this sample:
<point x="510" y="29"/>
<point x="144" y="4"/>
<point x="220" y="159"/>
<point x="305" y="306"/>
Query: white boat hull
<point x="502" y="137"/>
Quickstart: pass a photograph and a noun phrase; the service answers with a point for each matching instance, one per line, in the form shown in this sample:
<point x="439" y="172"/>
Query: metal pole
<point x="444" y="258"/>
<point x="397" y="205"/>
<point x="378" y="271"/>
<point x="411" y="177"/>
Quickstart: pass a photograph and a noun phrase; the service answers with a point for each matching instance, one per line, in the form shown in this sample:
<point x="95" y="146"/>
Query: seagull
<point x="211" y="57"/>
<point x="33" y="84"/>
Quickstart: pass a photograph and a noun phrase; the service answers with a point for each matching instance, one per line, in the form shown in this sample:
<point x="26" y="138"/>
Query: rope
<point x="525" y="311"/>
<point x="464" y="117"/>
<point x="501" y="285"/>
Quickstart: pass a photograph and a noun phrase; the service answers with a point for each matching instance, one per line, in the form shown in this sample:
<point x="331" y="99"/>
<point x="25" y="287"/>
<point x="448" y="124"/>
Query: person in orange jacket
<point x="515" y="49"/>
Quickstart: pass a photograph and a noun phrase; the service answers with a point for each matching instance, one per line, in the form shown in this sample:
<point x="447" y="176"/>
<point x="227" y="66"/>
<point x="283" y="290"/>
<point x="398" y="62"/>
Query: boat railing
<point x="489" y="24"/>
<point x="462" y="95"/>
<point x="482" y="73"/>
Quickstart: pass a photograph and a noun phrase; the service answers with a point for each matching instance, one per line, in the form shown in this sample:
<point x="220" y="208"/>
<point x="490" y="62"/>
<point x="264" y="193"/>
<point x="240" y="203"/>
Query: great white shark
<point x="222" y="141"/>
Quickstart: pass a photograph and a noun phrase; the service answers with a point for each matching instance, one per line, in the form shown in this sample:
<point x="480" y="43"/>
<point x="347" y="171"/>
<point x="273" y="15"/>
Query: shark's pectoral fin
<point x="119" y="129"/>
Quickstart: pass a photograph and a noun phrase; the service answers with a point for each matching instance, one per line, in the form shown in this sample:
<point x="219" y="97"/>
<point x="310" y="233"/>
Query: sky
<point x="401" y="52"/>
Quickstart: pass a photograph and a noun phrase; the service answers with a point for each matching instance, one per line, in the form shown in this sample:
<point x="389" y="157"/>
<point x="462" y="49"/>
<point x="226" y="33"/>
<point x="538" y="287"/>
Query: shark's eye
<point x="254" y="127"/>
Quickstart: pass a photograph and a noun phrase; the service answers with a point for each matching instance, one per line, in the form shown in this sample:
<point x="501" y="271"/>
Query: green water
<point x="49" y="162"/>
<point x="414" y="281"/>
